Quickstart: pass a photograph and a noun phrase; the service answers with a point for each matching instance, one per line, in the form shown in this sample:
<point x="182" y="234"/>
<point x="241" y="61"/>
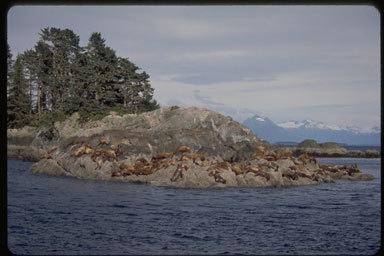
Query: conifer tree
<point x="9" y="68"/>
<point x="58" y="77"/>
<point x="29" y="63"/>
<point x="102" y="63"/>
<point x="18" y="105"/>
<point x="43" y="75"/>
<point x="64" y="45"/>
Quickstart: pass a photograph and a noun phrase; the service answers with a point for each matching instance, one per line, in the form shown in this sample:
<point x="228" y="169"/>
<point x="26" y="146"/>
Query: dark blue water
<point x="60" y="215"/>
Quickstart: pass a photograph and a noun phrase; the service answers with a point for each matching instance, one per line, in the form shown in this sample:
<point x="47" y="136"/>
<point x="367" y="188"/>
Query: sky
<point x="281" y="62"/>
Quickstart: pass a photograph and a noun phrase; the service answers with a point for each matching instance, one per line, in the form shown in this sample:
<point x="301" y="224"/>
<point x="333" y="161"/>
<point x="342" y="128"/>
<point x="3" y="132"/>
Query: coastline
<point x="178" y="147"/>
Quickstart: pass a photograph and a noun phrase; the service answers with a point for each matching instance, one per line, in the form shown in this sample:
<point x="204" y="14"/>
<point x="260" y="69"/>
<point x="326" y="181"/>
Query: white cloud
<point x="207" y="55"/>
<point x="281" y="61"/>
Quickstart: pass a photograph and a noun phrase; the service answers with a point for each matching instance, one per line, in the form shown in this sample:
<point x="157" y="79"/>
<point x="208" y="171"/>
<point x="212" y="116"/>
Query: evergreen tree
<point x="18" y="105"/>
<point x="134" y="87"/>
<point x="29" y="63"/>
<point x="102" y="63"/>
<point x="64" y="45"/>
<point x="43" y="75"/>
<point x="58" y="77"/>
<point x="9" y="69"/>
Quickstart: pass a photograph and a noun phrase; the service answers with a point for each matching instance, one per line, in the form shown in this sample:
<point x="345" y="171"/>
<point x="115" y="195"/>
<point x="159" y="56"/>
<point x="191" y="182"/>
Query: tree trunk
<point x="38" y="102"/>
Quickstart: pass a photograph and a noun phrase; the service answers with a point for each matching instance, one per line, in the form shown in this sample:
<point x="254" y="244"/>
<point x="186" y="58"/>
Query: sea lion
<point x="262" y="174"/>
<point x="182" y="149"/>
<point x="142" y="160"/>
<point x="164" y="163"/>
<point x="192" y="155"/>
<point x="100" y="162"/>
<point x="286" y="154"/>
<point x="218" y="178"/>
<point x="48" y="155"/>
<point x="103" y="141"/>
<point x="290" y="175"/>
<point x="117" y="174"/>
<point x="352" y="169"/>
<point x="218" y="167"/>
<point x="303" y="175"/>
<point x="236" y="169"/>
<point x="143" y="169"/>
<point x="261" y="149"/>
<point x="177" y="174"/>
<point x="185" y="166"/>
<point x="119" y="150"/>
<point x="109" y="154"/>
<point x="76" y="141"/>
<point x="88" y="150"/>
<point x="162" y="156"/>
<point x="270" y="158"/>
<point x="80" y="151"/>
<point x="252" y="168"/>
<point x="257" y="157"/>
<point x="297" y="167"/>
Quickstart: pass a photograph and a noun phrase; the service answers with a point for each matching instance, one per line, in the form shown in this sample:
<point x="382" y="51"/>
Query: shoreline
<point x="177" y="147"/>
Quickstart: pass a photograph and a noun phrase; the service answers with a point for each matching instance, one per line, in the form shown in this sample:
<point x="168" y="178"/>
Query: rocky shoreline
<point x="179" y="147"/>
<point x="330" y="149"/>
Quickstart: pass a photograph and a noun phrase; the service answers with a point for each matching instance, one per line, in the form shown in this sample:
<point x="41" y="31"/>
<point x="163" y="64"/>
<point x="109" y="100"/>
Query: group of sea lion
<point x="260" y="164"/>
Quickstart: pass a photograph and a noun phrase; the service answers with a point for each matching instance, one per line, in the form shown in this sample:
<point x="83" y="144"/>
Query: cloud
<point x="208" y="55"/>
<point x="205" y="99"/>
<point x="187" y="29"/>
<point x="321" y="62"/>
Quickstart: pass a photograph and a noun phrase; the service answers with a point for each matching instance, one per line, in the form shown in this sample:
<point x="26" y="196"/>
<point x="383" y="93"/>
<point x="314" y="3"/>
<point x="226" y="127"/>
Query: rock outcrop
<point x="330" y="149"/>
<point x="181" y="147"/>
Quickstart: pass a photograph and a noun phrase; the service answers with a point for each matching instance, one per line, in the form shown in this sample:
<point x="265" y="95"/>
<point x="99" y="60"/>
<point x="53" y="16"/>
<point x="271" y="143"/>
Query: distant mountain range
<point x="297" y="131"/>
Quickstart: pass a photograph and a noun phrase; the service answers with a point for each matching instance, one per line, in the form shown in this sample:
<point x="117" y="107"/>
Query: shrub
<point x="308" y="144"/>
<point x="329" y="145"/>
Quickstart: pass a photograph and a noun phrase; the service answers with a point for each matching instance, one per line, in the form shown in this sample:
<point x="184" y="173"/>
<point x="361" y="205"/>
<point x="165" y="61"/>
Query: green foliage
<point x="57" y="78"/>
<point x="47" y="119"/>
<point x="18" y="105"/>
<point x="308" y="144"/>
<point x="327" y="145"/>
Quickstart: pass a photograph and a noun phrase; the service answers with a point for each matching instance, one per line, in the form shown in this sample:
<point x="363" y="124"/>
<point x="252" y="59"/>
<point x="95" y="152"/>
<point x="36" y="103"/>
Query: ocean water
<point x="61" y="215"/>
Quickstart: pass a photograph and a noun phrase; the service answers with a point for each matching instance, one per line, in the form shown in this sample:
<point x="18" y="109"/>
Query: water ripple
<point x="60" y="215"/>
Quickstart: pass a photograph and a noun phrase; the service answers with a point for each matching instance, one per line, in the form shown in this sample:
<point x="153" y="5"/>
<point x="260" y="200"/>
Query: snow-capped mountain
<point x="311" y="124"/>
<point x="298" y="131"/>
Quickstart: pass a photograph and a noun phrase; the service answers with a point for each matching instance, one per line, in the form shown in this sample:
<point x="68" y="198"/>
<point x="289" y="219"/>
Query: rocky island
<point x="171" y="146"/>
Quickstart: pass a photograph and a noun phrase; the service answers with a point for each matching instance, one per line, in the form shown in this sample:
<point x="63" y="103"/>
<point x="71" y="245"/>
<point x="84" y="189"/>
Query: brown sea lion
<point x="177" y="174"/>
<point x="304" y="175"/>
<point x="182" y="149"/>
<point x="261" y="149"/>
<point x="290" y="175"/>
<point x="262" y="174"/>
<point x="297" y="167"/>
<point x="286" y="154"/>
<point x="218" y="178"/>
<point x="76" y="141"/>
<point x="80" y="151"/>
<point x="103" y="141"/>
<point x="142" y="160"/>
<point x="100" y="162"/>
<point x="257" y="157"/>
<point x="88" y="150"/>
<point x="109" y="154"/>
<point x="117" y="174"/>
<point x="162" y="156"/>
<point x="236" y="169"/>
<point x="119" y="150"/>
<point x="48" y="155"/>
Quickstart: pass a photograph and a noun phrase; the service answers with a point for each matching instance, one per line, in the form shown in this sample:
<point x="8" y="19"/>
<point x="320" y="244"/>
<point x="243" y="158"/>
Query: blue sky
<point x="283" y="62"/>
